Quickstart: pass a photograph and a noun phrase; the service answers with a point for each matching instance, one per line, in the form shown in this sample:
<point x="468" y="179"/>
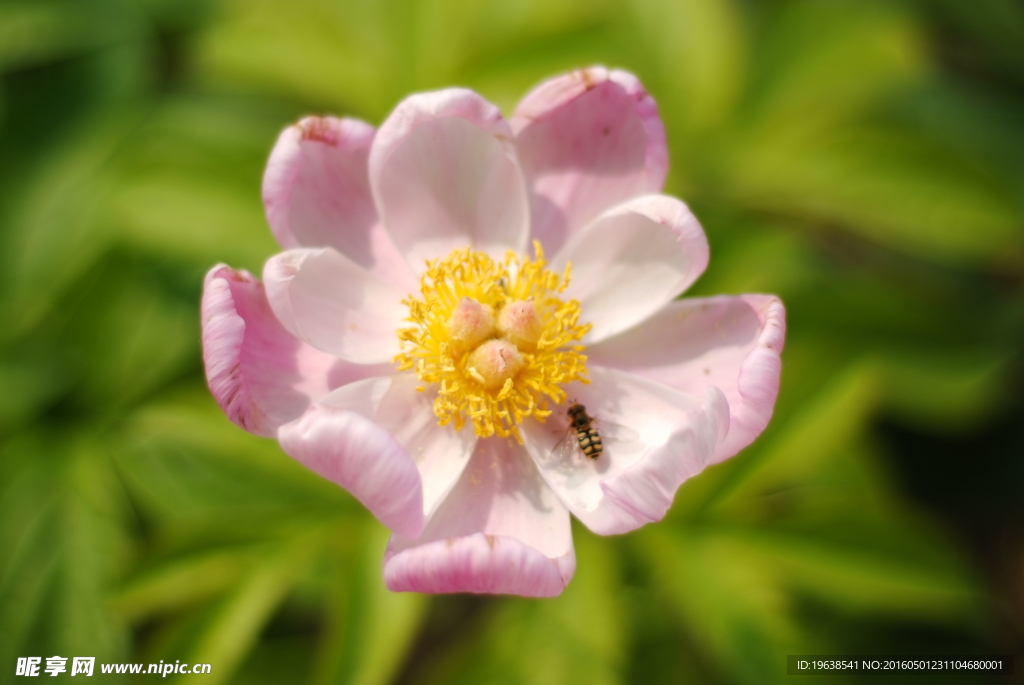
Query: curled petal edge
<point x="758" y="383"/>
<point x="223" y="334"/>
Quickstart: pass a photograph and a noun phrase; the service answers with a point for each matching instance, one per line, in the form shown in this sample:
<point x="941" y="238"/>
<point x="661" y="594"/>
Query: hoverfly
<point x="585" y="436"/>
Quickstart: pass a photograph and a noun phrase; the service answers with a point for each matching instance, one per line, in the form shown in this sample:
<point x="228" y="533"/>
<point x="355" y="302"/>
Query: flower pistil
<point x="494" y="338"/>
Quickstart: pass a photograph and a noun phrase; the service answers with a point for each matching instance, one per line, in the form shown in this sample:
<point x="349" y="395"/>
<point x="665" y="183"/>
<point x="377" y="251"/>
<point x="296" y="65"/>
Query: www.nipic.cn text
<point x="85" y="665"/>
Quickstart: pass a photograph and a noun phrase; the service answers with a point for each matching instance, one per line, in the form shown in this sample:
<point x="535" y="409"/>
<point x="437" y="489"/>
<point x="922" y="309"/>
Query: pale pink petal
<point x="335" y="305"/>
<point x="732" y="343"/>
<point x="631" y="261"/>
<point x="665" y="437"/>
<point x="360" y="456"/>
<point x="261" y="375"/>
<point x="501" y="530"/>
<point x="316" y="191"/>
<point x="587" y="140"/>
<point x="392" y="402"/>
<point x="444" y="172"/>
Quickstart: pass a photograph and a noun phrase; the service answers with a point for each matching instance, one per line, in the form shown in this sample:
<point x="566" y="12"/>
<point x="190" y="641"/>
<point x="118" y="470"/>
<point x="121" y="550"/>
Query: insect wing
<point x="615" y="433"/>
<point x="565" y="451"/>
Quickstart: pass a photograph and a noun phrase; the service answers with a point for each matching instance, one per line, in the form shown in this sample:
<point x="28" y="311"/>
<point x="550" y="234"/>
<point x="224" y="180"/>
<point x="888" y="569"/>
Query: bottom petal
<point x="478" y="563"/>
<point x="501" y="530"/>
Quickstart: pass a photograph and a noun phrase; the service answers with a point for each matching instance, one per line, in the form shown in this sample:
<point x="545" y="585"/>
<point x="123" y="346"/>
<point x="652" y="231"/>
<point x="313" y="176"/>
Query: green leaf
<point x="349" y="59"/>
<point x="895" y="569"/>
<point x="38" y="31"/>
<point x="189" y="185"/>
<point x="891" y="187"/>
<point x="180" y="581"/>
<point x="944" y="392"/>
<point x="697" y="52"/>
<point x="827" y="60"/>
<point x="129" y="333"/>
<point x="185" y="461"/>
<point x="998" y="25"/>
<point x="234" y="627"/>
<point x="64" y="524"/>
<point x="53" y="235"/>
<point x="30" y="379"/>
<point x="370" y="629"/>
<point x="732" y="606"/>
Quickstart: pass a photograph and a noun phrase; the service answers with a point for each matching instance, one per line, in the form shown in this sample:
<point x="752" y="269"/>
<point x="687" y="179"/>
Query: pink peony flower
<point x="451" y="283"/>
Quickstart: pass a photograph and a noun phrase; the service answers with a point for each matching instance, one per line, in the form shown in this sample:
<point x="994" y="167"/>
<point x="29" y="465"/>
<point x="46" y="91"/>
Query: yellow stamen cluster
<point x="494" y="339"/>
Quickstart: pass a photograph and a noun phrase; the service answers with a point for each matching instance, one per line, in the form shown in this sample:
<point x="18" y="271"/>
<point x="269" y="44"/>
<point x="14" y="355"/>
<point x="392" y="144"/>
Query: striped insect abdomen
<point x="590" y="442"/>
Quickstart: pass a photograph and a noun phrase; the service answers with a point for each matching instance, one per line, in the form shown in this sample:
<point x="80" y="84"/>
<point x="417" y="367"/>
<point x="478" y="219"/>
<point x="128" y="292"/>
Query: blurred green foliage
<point x="862" y="159"/>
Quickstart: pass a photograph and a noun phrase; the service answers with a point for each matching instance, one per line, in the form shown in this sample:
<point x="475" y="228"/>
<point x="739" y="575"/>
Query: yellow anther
<point x="494" y="340"/>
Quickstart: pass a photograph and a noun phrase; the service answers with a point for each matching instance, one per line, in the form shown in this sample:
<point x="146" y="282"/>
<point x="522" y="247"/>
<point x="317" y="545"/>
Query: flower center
<point x="494" y="338"/>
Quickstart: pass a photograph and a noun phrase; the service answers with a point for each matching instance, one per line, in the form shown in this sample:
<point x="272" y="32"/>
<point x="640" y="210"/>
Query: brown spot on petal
<point x="588" y="79"/>
<point x="235" y="389"/>
<point x="318" y="129"/>
<point x="491" y="541"/>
